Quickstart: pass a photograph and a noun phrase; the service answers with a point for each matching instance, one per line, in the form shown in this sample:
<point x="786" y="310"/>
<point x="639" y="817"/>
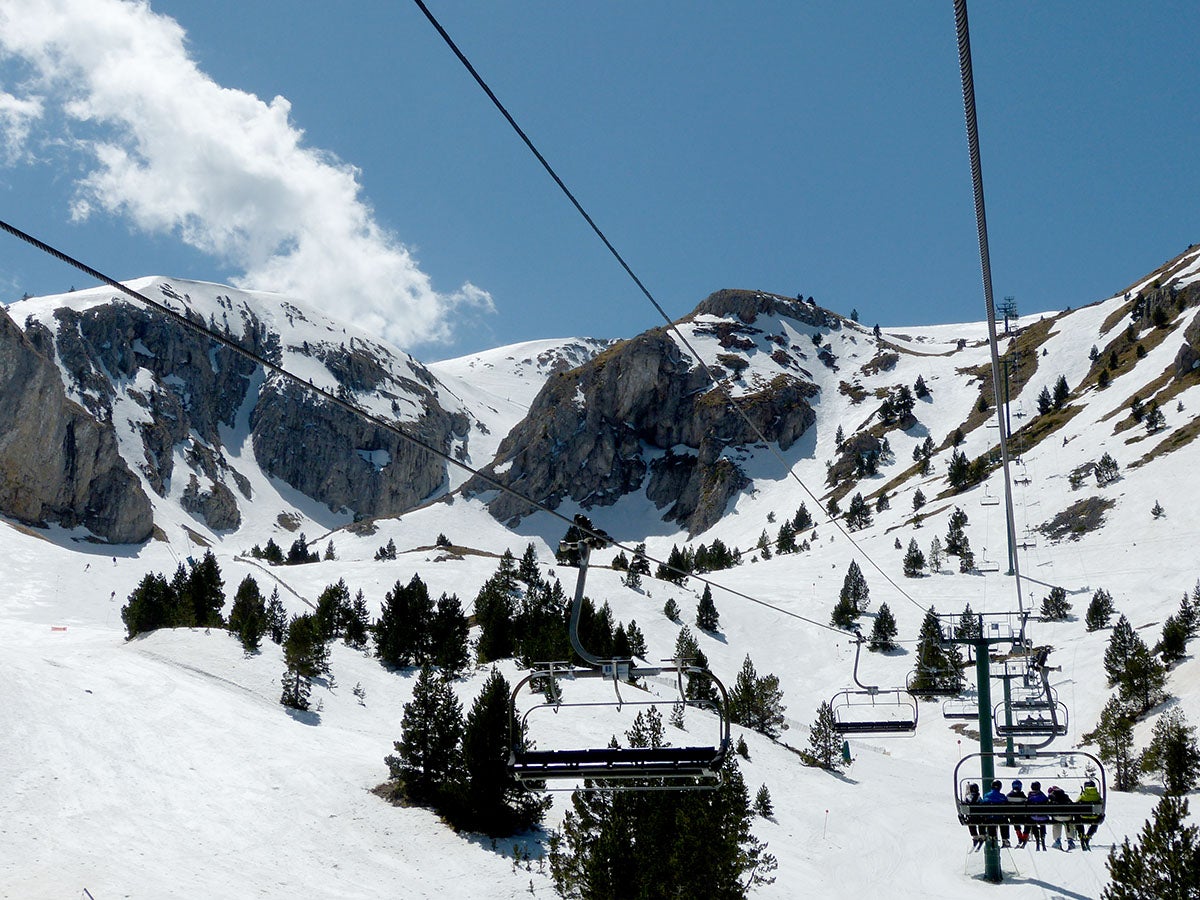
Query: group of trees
<point x="193" y="598"/>
<point x="413" y="631"/>
<point x="521" y="614"/>
<point x="712" y="558"/>
<point x="1049" y="402"/>
<point x="459" y="765"/>
<point x="298" y="553"/>
<point x="655" y="843"/>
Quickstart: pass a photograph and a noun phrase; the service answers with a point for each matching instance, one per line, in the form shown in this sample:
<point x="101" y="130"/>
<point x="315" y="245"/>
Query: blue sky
<point x="790" y="147"/>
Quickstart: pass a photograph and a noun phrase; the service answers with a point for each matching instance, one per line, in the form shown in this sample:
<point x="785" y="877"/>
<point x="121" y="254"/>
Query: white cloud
<point x="16" y="115"/>
<point x="229" y="174"/>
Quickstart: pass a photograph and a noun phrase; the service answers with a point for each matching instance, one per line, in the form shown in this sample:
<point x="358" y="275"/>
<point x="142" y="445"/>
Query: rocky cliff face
<point x="182" y="398"/>
<point x="644" y="415"/>
<point x="58" y="462"/>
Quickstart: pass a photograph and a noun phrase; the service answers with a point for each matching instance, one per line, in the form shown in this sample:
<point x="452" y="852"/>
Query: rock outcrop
<point x="58" y="461"/>
<point x="645" y="415"/>
<point x="184" y="396"/>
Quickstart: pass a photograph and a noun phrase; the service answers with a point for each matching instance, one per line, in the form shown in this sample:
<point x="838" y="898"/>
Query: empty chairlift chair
<point x="870" y="711"/>
<point x="615" y="768"/>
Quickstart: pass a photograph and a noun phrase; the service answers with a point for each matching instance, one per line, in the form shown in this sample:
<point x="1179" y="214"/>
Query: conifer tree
<point x="637" y="640"/>
<point x="1061" y="392"/>
<point x="956" y="537"/>
<point x="937" y="668"/>
<point x="914" y="560"/>
<point x="764" y="545"/>
<point x="428" y="760"/>
<point x="707" y="617"/>
<point x="1173" y="754"/>
<point x="333" y="608"/>
<point x="855" y="589"/>
<point x="402" y="633"/>
<point x="248" y="615"/>
<point x="699" y="687"/>
<point x="201" y="595"/>
<point x="276" y="618"/>
<point x="858" y="515"/>
<point x="499" y="805"/>
<point x="1120" y="646"/>
<point x="528" y="571"/>
<point x="306" y="656"/>
<point x="824" y="742"/>
<point x="786" y="540"/>
<point x="1045" y="402"/>
<point x="1172" y="646"/>
<point x="1165" y="862"/>
<point x="1055" y="606"/>
<point x="762" y="803"/>
<point x="843" y="614"/>
<point x="1114" y="736"/>
<point x="358" y="623"/>
<point x="448" y="636"/>
<point x="803" y="519"/>
<point x="757" y="702"/>
<point x="1099" y="611"/>
<point x="150" y="606"/>
<point x="495" y="611"/>
<point x="671" y="609"/>
<point x="935" y="554"/>
<point x="883" y="632"/>
<point x="832" y="509"/>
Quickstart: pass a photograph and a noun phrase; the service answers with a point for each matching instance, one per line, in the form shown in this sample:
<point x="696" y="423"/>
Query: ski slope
<point x="165" y="766"/>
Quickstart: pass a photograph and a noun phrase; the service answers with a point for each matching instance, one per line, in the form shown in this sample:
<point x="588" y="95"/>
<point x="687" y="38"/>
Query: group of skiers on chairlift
<point x="1037" y="828"/>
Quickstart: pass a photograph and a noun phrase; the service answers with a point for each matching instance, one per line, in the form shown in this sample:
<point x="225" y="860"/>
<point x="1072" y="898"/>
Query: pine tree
<point x="448" y="632"/>
<point x="832" y="509"/>
<point x="1045" y="402"/>
<point x="358" y="623"/>
<point x="276" y="618"/>
<point x="671" y="609"/>
<point x="956" y="536"/>
<point x="1062" y="392"/>
<point x="248" y="615"/>
<point x="402" y="634"/>
<point x="935" y="554"/>
<point x="687" y="649"/>
<point x="937" y="668"/>
<point x="1157" y="510"/>
<point x="803" y="519"/>
<point x="499" y="805"/>
<point x="1107" y="471"/>
<point x="824" y="741"/>
<point x="764" y="545"/>
<point x="150" y="606"/>
<point x="1055" y="606"/>
<point x="843" y="614"/>
<point x="855" y="589"/>
<point x="306" y="656"/>
<point x="914" y="560"/>
<point x="637" y="640"/>
<point x="1165" y="863"/>
<point x="659" y="844"/>
<point x="858" y="515"/>
<point x="1120" y="647"/>
<point x="920" y="389"/>
<point x="762" y="803"/>
<point x="1099" y="611"/>
<point x="330" y="553"/>
<point x="786" y="541"/>
<point x="883" y="632"/>
<point x="1173" y="753"/>
<point x="1144" y="680"/>
<point x="1172" y="646"/>
<point x="707" y="617"/>
<point x="333" y="608"/>
<point x="632" y="579"/>
<point x="495" y="611"/>
<point x="429" y="758"/>
<point x="757" y="702"/>
<point x="528" y="570"/>
<point x="202" y="597"/>
<point x="1114" y="736"/>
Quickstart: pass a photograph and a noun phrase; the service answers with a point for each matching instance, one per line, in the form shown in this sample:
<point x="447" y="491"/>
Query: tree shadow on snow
<point x="304" y="716"/>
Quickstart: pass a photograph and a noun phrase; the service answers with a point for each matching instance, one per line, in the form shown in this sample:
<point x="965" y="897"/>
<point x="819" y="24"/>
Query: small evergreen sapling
<point x="883" y="632"/>
<point x="707" y="617"/>
<point x="762" y="803"/>
<point x="1099" y="611"/>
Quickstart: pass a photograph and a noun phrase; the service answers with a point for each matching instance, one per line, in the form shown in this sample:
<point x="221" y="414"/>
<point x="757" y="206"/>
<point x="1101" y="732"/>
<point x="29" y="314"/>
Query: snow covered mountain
<point x="164" y="766"/>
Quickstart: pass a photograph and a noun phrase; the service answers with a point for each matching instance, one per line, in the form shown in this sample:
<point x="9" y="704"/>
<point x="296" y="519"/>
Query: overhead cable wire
<point x="720" y="386"/>
<point x="328" y="396"/>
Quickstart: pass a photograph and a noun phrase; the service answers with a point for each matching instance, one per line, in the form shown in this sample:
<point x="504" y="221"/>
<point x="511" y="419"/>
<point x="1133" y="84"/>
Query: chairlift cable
<point x="230" y="344"/>
<point x="649" y="296"/>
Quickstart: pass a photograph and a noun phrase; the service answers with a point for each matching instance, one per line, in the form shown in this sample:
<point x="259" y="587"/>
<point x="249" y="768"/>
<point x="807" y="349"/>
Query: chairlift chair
<point x="946" y="683"/>
<point x="615" y="768"/>
<point x="1068" y="769"/>
<point x="1044" y="722"/>
<point x="874" y="713"/>
<point x="988" y="498"/>
<point x="961" y="708"/>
